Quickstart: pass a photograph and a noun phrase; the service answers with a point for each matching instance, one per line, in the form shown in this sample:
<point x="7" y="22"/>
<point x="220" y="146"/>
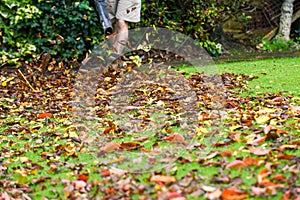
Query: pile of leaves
<point x="42" y="156"/>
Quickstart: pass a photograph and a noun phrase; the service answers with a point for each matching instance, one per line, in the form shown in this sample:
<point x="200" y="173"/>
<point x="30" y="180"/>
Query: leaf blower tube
<point x="104" y="17"/>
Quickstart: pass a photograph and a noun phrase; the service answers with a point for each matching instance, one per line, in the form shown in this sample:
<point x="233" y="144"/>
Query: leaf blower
<point x="104" y="17"/>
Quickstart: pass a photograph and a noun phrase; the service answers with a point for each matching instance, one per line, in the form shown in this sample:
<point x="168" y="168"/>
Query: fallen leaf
<point x="295" y="109"/>
<point x="258" y="191"/>
<point x="226" y="153"/>
<point x="176" y="137"/>
<point x="279" y="177"/>
<point x="173" y="195"/>
<point x="233" y="194"/>
<point x="162" y="179"/>
<point x="130" y="145"/>
<point x="236" y="164"/>
<point x="83" y="177"/>
<point x="267" y="129"/>
<point x="44" y="115"/>
<point x="259" y="151"/>
<point x="4" y="196"/>
<point x="118" y="172"/>
<point x="262" y="119"/>
<point x="286" y="195"/>
<point x="214" y="195"/>
<point x="105" y="172"/>
<point x="249" y="161"/>
<point x="110" y="146"/>
<point x="258" y="140"/>
<point x="79" y="184"/>
<point x="207" y="188"/>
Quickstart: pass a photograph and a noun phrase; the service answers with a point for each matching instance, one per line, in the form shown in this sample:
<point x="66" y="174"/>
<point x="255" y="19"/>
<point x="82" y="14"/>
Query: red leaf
<point x="105" y="172"/>
<point x="172" y="195"/>
<point x="259" y="151"/>
<point x="44" y="115"/>
<point x="236" y="164"/>
<point x="107" y="130"/>
<point x="262" y="175"/>
<point x="83" y="177"/>
<point x="284" y="156"/>
<point x="249" y="161"/>
<point x="176" y="137"/>
<point x="226" y="153"/>
<point x="266" y="183"/>
<point x="286" y="195"/>
<point x="233" y="194"/>
<point x="162" y="179"/>
<point x="258" y="140"/>
<point x="279" y="177"/>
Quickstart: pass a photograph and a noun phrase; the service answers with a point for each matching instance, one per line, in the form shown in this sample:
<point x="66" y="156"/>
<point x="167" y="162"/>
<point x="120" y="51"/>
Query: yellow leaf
<point x="73" y="134"/>
<point x="4" y="84"/>
<point x="202" y="131"/>
<point x="262" y="119"/>
<point x="24" y="159"/>
<point x="22" y="179"/>
<point x="232" y="128"/>
<point x="107" y="79"/>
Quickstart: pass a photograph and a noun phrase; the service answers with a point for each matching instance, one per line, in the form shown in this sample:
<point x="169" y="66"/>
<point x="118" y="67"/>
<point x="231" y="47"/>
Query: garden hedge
<point x="69" y="29"/>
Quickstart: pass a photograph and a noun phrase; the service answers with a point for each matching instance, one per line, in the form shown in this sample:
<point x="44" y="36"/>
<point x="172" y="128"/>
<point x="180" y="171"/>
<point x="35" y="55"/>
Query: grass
<point x="272" y="77"/>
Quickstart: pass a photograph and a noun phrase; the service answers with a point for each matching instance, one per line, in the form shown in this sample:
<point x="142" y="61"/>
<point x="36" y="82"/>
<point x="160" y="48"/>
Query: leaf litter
<point x="257" y="154"/>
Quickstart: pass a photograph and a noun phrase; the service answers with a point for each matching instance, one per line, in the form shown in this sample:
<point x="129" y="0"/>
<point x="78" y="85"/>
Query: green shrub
<point x="65" y="29"/>
<point x="277" y="45"/>
<point x="195" y="18"/>
<point x="68" y="29"/>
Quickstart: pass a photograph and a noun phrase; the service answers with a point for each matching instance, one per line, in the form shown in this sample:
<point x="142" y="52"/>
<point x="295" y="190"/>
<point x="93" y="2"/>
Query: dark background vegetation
<point x="68" y="30"/>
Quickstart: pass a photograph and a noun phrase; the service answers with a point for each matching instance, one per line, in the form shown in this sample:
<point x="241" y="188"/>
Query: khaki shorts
<point x="127" y="10"/>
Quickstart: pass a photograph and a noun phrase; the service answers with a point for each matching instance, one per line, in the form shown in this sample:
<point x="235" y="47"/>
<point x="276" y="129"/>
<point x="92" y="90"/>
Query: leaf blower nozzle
<point x="104" y="17"/>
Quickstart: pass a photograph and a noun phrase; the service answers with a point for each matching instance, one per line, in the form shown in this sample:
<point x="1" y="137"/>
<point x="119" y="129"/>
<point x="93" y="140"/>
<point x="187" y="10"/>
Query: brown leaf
<point x="226" y="153"/>
<point x="267" y="129"/>
<point x="249" y="161"/>
<point x="129" y="145"/>
<point x="233" y="194"/>
<point x="258" y="140"/>
<point x="236" y="164"/>
<point x="176" y="137"/>
<point x="110" y="146"/>
<point x="165" y="179"/>
<point x="141" y="139"/>
<point x="259" y="151"/>
<point x="285" y="156"/>
<point x="279" y="177"/>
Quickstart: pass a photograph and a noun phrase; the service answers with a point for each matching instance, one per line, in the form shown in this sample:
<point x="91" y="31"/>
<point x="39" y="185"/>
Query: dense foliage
<point x="65" y="29"/>
<point x="68" y="29"/>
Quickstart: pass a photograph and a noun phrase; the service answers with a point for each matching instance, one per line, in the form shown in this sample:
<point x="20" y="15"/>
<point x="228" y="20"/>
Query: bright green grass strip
<point x="274" y="75"/>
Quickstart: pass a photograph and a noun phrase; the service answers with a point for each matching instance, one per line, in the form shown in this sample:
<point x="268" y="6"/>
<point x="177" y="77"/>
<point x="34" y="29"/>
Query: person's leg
<point x="121" y="38"/>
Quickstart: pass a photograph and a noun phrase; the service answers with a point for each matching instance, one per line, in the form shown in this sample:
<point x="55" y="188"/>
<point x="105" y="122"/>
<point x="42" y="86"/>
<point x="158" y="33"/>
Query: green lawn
<point x="253" y="155"/>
